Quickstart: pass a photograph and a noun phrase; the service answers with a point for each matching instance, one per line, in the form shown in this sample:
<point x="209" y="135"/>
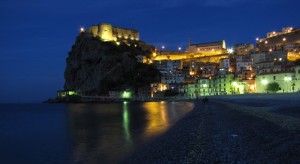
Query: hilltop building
<point x="212" y="48"/>
<point x="288" y="39"/>
<point x="243" y="48"/>
<point x="107" y="32"/>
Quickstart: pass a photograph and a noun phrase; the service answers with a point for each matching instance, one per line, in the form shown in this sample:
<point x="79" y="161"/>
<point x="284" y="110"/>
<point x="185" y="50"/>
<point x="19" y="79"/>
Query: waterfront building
<point x="63" y="93"/>
<point x="206" y="87"/>
<point x="288" y="80"/>
<point x="157" y="88"/>
<point x="193" y="92"/>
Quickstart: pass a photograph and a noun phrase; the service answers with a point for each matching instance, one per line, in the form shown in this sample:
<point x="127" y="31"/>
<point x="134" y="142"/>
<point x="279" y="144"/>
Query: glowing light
<point x="154" y="54"/>
<point x="163" y="47"/>
<point x="280" y="59"/>
<point x="126" y="95"/>
<point x="270" y="50"/>
<point x="264" y="81"/>
<point x="257" y="39"/>
<point x="204" y="85"/>
<point x="179" y="48"/>
<point x="81" y="29"/>
<point x="287" y="78"/>
<point x="230" y="50"/>
<point x="234" y="83"/>
<point x="266" y="42"/>
<point x="72" y="93"/>
<point x="284" y="39"/>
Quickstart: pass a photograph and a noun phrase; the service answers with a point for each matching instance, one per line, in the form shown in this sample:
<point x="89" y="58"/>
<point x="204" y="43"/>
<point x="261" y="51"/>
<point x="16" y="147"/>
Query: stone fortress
<point x="107" y="32"/>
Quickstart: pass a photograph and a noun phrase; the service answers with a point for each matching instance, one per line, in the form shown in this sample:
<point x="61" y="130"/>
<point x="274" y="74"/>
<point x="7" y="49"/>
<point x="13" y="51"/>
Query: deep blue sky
<point x="36" y="35"/>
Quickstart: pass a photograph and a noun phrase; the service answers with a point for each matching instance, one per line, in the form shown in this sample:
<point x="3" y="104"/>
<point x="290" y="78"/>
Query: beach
<point x="256" y="128"/>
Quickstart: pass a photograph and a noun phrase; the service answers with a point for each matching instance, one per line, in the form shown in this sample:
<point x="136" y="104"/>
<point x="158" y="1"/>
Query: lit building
<point x="66" y="93"/>
<point x="141" y="59"/>
<point x="157" y="88"/>
<point x="109" y="33"/>
<point x="172" y="79"/>
<point x="288" y="39"/>
<point x="206" y="87"/>
<point x="225" y="63"/>
<point x="289" y="80"/>
<point x="243" y="48"/>
<point x="213" y="48"/>
<point x="243" y="62"/>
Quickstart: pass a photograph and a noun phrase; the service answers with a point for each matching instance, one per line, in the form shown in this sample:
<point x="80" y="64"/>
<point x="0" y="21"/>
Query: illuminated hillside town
<point x="212" y="68"/>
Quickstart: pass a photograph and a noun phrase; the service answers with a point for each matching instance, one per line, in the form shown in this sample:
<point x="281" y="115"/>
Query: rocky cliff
<point x="95" y="67"/>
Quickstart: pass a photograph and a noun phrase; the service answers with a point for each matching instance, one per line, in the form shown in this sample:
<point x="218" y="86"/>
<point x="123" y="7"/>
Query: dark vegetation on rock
<point x="95" y="67"/>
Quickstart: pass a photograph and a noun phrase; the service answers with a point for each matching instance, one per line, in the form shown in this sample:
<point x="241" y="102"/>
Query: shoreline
<point x="79" y="99"/>
<point x="228" y="132"/>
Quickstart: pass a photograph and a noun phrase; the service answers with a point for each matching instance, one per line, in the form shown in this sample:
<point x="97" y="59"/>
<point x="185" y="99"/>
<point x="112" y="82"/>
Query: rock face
<point x="95" y="67"/>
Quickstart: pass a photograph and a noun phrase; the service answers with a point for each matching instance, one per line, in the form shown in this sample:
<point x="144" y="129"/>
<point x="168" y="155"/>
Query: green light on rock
<point x="72" y="93"/>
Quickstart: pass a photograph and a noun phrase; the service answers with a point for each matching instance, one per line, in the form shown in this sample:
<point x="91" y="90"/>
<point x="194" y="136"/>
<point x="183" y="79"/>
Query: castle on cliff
<point x="107" y="32"/>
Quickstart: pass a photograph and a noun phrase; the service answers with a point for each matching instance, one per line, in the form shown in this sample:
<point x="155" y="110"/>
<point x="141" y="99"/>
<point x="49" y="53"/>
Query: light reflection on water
<point x="109" y="132"/>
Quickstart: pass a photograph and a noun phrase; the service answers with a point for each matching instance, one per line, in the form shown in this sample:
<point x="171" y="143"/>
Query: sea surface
<point x="82" y="133"/>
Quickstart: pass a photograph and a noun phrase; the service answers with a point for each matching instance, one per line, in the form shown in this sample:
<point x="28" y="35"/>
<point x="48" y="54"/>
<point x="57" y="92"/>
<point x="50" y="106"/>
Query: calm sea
<point x="82" y="133"/>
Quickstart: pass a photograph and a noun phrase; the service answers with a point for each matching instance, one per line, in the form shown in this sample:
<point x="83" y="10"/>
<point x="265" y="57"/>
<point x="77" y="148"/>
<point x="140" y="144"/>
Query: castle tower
<point x="105" y="32"/>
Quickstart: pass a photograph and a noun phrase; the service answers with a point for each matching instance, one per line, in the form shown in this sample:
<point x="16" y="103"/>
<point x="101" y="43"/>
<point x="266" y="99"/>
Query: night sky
<point x="36" y="35"/>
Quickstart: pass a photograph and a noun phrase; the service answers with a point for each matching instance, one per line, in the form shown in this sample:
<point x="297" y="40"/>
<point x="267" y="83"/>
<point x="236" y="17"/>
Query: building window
<point x="298" y="70"/>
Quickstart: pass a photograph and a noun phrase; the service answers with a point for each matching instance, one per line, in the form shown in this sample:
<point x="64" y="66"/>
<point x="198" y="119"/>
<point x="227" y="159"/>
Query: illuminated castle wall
<point x="109" y="33"/>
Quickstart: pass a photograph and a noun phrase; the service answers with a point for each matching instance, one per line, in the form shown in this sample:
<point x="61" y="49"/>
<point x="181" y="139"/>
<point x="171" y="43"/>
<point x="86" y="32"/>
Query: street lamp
<point x="264" y="81"/>
<point x="179" y="48"/>
<point x="81" y="29"/>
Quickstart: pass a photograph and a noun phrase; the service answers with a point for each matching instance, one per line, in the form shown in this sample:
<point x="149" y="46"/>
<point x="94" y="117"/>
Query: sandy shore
<point x="249" y="129"/>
